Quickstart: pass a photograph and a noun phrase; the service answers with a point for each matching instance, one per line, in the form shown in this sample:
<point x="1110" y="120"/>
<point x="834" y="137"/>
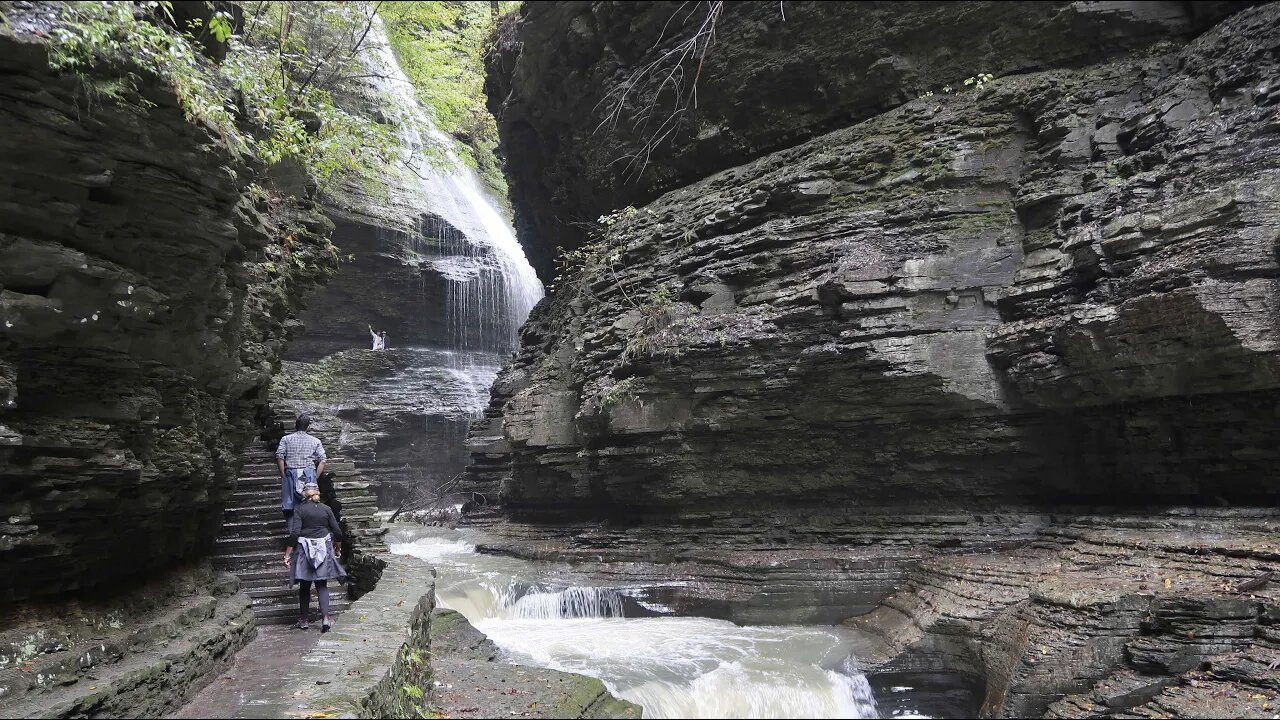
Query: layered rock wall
<point x="1056" y="287"/>
<point x="971" y="341"/>
<point x="145" y="297"/>
<point x="584" y="90"/>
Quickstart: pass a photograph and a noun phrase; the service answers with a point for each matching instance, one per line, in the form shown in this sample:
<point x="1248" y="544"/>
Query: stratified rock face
<point x="400" y="415"/>
<point x="1057" y="287"/>
<point x="144" y="301"/>
<point x="595" y="115"/>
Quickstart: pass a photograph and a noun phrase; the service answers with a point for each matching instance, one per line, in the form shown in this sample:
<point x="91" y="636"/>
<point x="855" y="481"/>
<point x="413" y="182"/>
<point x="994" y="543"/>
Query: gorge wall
<point x="855" y="281"/>
<point x="151" y="274"/>
<point x="145" y="298"/>
<point x="988" y="366"/>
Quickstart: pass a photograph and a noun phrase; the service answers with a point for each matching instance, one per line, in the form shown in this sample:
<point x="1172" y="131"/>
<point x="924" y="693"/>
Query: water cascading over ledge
<point x="437" y="266"/>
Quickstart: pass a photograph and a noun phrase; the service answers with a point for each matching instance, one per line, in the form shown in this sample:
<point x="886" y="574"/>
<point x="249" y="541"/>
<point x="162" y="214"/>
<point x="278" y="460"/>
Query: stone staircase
<point x="253" y="536"/>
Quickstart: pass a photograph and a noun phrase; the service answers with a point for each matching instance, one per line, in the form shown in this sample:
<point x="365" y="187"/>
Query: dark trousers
<point x="304" y="598"/>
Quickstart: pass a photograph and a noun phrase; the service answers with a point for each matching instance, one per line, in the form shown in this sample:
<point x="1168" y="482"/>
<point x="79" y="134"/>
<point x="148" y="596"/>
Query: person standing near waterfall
<point x="301" y="459"/>
<point x="379" y="339"/>
<point x="312" y="555"/>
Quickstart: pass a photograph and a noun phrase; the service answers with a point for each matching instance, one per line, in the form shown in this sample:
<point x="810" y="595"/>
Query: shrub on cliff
<point x="268" y="93"/>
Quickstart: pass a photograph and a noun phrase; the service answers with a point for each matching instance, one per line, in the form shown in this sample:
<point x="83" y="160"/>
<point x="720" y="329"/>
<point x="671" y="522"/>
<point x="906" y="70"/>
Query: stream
<point x="673" y="666"/>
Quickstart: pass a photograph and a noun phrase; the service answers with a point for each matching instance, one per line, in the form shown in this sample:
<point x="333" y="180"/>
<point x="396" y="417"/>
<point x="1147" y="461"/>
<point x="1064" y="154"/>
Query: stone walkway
<point x="287" y="673"/>
<point x="256" y="674"/>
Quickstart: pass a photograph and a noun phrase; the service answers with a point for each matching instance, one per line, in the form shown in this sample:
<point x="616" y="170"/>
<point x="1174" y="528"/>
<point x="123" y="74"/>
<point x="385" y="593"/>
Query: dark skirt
<point x="302" y="569"/>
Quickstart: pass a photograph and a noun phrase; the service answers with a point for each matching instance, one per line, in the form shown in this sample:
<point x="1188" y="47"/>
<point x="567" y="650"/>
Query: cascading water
<point x="475" y="290"/>
<point x="492" y="287"/>
<point x="671" y="666"/>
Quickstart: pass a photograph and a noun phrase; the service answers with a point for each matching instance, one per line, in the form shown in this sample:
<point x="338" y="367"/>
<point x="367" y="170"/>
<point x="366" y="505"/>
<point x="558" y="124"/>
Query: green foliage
<point x="620" y="391"/>
<point x="220" y="26"/>
<point x="659" y="301"/>
<point x="979" y="80"/>
<point x="280" y="72"/>
<point x="651" y="337"/>
<point x="119" y="34"/>
<point x="976" y="82"/>
<point x="441" y="46"/>
<point x="613" y="218"/>
<point x="412" y="691"/>
<point x="287" y="64"/>
<point x="599" y="250"/>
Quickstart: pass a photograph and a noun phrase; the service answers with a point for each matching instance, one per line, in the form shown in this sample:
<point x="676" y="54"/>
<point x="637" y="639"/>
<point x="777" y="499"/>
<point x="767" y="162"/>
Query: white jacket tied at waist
<point x="315" y="549"/>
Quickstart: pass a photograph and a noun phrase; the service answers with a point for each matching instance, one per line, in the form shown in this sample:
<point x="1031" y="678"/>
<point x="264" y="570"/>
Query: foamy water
<point x="671" y="666"/>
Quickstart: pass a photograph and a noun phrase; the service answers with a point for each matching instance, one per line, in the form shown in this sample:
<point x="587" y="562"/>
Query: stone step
<point x="256" y="526"/>
<point x="248" y="560"/>
<point x="276" y="580"/>
<point x="283" y="592"/>
<point x="287" y="613"/>
<point x="256" y="578"/>
<point x="252" y="497"/>
<point x="258" y="481"/>
<point x="253" y="534"/>
<point x="261" y="515"/>
<point x="237" y="546"/>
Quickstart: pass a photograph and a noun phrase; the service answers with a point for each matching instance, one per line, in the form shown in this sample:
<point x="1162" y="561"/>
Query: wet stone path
<point x="256" y="676"/>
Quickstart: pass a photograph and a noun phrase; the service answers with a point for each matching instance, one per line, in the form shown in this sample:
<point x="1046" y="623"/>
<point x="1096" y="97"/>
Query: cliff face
<point x="584" y="90"/>
<point x="1056" y="287"/>
<point x="145" y="297"/>
<point x="954" y="362"/>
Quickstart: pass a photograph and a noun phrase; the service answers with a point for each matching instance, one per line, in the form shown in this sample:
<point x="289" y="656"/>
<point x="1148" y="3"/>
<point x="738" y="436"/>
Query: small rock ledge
<point x="141" y="653"/>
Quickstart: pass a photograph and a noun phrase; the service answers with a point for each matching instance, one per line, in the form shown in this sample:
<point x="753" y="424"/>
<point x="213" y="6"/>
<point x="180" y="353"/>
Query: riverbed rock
<point x="471" y="678"/>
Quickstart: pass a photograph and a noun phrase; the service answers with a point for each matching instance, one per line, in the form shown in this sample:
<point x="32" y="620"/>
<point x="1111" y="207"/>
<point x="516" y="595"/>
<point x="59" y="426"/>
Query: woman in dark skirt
<point x="312" y="554"/>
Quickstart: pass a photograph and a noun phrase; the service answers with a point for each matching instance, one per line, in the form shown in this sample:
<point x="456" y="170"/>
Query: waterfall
<point x="491" y="286"/>
<point x="574" y="602"/>
<point x="681" y="667"/>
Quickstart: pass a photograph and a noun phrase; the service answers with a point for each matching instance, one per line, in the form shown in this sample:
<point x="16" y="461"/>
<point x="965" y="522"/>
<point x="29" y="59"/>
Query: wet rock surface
<point x="973" y="344"/>
<point x="145" y="298"/>
<point x="393" y="654"/>
<point x="256" y="670"/>
<point x="1125" y="616"/>
<point x="1056" y="288"/>
<point x="1165" y="612"/>
<point x="401" y="415"/>
<point x="470" y="679"/>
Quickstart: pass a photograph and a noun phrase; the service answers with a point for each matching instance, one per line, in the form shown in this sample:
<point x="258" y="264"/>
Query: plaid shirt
<point x="300" y="450"/>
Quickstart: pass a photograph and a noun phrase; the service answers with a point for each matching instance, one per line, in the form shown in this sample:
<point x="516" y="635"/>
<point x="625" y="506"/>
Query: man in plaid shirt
<point x="297" y="456"/>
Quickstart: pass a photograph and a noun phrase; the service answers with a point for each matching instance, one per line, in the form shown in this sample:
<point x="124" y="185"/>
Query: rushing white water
<point x="671" y="666"/>
<point x="491" y="286"/>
